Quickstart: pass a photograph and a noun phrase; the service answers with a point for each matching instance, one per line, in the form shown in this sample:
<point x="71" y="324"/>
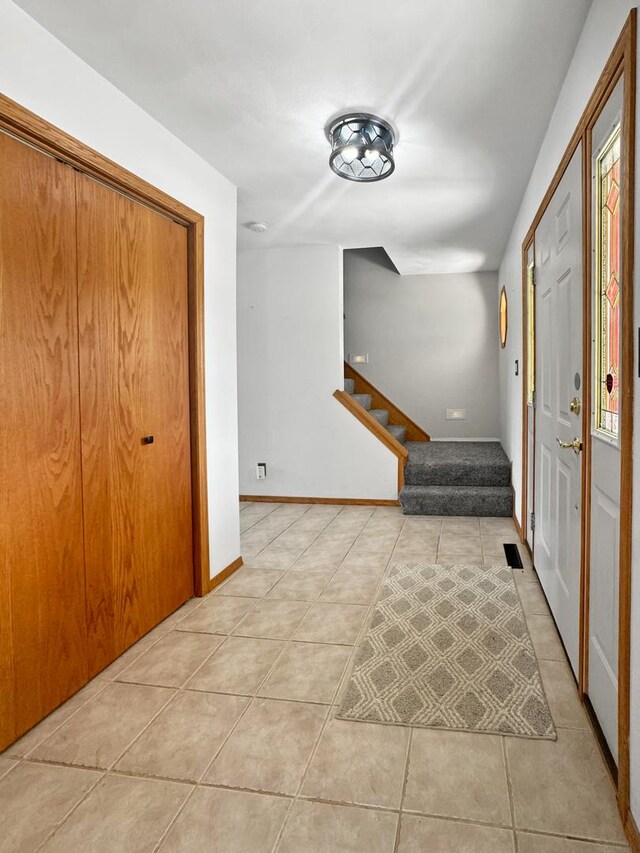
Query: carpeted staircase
<point x="457" y="478"/>
<point x="449" y="477"/>
<point x="381" y="415"/>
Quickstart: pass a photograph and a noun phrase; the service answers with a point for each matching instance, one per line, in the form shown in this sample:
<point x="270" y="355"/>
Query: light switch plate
<point x="456" y="414"/>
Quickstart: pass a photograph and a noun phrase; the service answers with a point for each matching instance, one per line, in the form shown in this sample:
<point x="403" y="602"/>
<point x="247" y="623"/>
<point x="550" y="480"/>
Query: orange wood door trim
<point x="633" y="835"/>
<point x="378" y="401"/>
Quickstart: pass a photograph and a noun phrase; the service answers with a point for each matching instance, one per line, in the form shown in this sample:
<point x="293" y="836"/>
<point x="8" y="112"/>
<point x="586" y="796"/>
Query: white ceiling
<point x="250" y="85"/>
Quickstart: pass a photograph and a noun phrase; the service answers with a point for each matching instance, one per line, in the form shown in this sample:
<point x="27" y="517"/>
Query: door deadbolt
<point x="575" y="406"/>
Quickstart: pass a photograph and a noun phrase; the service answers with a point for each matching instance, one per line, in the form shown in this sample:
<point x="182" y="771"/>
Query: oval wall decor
<point x="504" y="321"/>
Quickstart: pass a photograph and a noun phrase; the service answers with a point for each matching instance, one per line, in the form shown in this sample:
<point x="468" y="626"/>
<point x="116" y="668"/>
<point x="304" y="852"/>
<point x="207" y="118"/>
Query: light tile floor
<point x="216" y="732"/>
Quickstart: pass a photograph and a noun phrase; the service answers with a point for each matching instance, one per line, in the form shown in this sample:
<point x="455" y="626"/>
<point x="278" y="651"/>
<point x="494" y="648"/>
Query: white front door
<point x="602" y="680"/>
<point x="558" y="469"/>
<point x="529" y="531"/>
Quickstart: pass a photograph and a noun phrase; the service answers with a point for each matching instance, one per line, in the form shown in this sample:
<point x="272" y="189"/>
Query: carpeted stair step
<point x="457" y="463"/>
<point x="457" y="500"/>
<point x="398" y="432"/>
<point x="363" y="399"/>
<point x="381" y="415"/>
<point x="349" y="386"/>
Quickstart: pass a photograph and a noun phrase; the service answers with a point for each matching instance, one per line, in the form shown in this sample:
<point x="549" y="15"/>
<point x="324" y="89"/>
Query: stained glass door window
<point x="607" y="353"/>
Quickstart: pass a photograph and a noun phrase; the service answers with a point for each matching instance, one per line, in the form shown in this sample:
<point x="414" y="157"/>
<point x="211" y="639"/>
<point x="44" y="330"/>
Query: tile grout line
<point x="147" y="648"/>
<point x="255" y="695"/>
<point x="324" y="800"/>
<point x="176" y="692"/>
<point x="295" y="799"/>
<point x="404" y="790"/>
<point x="272" y="541"/>
<point x="367" y="619"/>
<point x="262" y="517"/>
<point x="328" y="716"/>
<point x="466" y="821"/>
<point x="70" y="812"/>
<point x="623" y="846"/>
<point x="507" y="773"/>
<point x="250" y="703"/>
<point x="7" y="754"/>
<point x="278" y="534"/>
<point x="330" y="711"/>
<point x="266" y="595"/>
<point x="174" y="820"/>
<point x="284" y="823"/>
<point x="291" y="640"/>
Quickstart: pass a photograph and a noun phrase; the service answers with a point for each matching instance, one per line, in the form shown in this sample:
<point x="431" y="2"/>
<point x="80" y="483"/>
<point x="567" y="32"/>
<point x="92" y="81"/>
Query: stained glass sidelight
<point x="531" y="335"/>
<point x="607" y="356"/>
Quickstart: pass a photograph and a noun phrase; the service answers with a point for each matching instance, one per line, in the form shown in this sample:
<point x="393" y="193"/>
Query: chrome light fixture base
<point x="361" y="147"/>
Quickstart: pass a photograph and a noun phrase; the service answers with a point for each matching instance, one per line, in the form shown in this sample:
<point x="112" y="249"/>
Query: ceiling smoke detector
<point x="257" y="227"/>
<point x="361" y="147"/>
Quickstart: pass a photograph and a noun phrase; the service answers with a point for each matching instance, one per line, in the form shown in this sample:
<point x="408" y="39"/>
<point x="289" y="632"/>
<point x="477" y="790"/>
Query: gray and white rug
<point x="448" y="647"/>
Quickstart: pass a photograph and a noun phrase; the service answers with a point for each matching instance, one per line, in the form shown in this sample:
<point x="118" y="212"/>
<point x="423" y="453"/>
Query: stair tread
<point x="363" y="399"/>
<point x="381" y="415"/>
<point x="442" y="489"/>
<point x="397" y="431"/>
<point x="472" y="463"/>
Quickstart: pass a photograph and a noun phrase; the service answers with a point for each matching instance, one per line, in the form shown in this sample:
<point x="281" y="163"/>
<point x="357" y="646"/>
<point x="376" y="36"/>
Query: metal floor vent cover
<point x="513" y="556"/>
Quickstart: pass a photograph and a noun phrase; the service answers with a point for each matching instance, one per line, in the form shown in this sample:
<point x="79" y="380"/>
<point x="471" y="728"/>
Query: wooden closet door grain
<point x="42" y="594"/>
<point x="132" y="298"/>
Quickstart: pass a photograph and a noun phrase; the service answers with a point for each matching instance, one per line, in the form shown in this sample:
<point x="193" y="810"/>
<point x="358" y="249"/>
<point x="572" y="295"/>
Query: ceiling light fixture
<point x="361" y="147"/>
<point x="257" y="227"/>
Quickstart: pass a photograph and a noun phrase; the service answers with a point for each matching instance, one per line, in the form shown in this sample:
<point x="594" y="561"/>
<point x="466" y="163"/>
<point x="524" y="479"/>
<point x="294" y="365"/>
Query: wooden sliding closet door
<point x="134" y="388"/>
<point x="42" y="594"/>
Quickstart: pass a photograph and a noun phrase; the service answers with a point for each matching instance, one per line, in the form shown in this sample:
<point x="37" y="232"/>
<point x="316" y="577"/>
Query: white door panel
<point x="603" y="628"/>
<point x="530" y="450"/>
<point x="602" y="680"/>
<point x="558" y="496"/>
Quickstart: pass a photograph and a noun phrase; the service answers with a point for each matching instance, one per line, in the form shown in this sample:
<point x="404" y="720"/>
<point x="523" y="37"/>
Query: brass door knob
<point x="575" y="406"/>
<point x="575" y="445"/>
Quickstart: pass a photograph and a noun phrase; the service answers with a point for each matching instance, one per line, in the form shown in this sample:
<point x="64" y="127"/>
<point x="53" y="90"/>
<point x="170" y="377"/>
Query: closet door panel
<point x="132" y="279"/>
<point x="42" y="597"/>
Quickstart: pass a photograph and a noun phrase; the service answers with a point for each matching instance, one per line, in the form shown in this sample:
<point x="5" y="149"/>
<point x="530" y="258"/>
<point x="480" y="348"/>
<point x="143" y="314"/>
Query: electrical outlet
<point x="456" y="414"/>
<point x="261" y="470"/>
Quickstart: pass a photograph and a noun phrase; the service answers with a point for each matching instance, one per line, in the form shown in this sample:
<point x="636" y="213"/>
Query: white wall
<point x="41" y="74"/>
<point x="602" y="27"/>
<point x="431" y="341"/>
<point x="290" y="361"/>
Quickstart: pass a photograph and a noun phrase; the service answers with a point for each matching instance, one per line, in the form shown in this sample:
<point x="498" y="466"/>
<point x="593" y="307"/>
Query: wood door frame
<point x="529" y="244"/>
<point x="621" y="63"/>
<point x="30" y="128"/>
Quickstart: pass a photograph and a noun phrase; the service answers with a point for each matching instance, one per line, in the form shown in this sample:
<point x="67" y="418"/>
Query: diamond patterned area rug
<point x="448" y="648"/>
